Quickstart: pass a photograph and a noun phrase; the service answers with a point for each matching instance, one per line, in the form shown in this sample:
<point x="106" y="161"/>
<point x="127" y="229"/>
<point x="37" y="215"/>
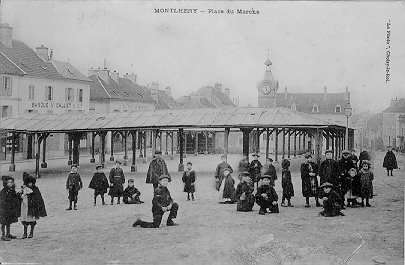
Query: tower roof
<point x="268" y="62"/>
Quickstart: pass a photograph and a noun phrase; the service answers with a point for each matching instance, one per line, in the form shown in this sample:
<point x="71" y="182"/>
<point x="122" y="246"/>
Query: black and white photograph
<point x="202" y="132"/>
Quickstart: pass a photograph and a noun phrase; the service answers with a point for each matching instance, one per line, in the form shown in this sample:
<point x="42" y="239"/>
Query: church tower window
<point x="315" y="108"/>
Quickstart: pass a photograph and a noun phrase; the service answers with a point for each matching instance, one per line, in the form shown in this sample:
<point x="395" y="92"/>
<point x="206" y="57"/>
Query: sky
<point x="311" y="44"/>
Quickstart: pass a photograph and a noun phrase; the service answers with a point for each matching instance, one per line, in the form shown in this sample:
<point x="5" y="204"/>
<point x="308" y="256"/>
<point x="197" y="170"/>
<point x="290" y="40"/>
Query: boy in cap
<point x="131" y="194"/>
<point x="73" y="184"/>
<point x="99" y="184"/>
<point x="244" y="194"/>
<point x="255" y="168"/>
<point x="162" y="202"/>
<point x="286" y="183"/>
<point x="269" y="169"/>
<point x="332" y="203"/>
<point x="189" y="181"/>
<point x="266" y="196"/>
<point x="309" y="180"/>
<point x="219" y="172"/>
<point x="117" y="180"/>
<point x="157" y="167"/>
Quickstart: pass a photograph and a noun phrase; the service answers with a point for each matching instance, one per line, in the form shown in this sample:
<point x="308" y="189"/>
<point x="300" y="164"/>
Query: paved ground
<point x="209" y="233"/>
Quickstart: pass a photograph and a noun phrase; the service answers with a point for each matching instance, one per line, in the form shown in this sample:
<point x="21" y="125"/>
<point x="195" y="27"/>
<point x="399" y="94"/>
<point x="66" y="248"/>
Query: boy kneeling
<point x="266" y="196"/>
<point x="332" y="204"/>
<point x="162" y="202"/>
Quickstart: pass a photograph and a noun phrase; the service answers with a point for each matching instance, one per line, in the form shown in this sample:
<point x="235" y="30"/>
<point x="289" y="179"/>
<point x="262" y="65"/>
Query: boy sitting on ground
<point x="266" y="196"/>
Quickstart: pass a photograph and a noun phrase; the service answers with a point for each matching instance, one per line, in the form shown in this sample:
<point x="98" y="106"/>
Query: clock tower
<point x="267" y="89"/>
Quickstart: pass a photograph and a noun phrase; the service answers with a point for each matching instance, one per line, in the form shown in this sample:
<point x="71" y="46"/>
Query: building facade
<point x="393" y="128"/>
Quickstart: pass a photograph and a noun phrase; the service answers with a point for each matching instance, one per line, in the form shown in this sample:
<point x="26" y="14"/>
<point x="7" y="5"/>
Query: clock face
<point x="266" y="89"/>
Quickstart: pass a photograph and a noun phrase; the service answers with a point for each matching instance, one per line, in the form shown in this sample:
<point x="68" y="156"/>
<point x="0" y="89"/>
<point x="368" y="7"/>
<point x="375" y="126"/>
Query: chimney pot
<point x="42" y="52"/>
<point x="6" y="35"/>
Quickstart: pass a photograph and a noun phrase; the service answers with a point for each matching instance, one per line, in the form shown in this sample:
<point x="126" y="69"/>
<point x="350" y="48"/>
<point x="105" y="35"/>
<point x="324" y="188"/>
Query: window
<point x="338" y="109"/>
<point x="315" y="108"/>
<point x="32" y="111"/>
<point x="6" y="87"/>
<point x="48" y="93"/>
<point x="69" y="96"/>
<point x="293" y="106"/>
<point x="6" y="111"/>
<point x="31" y="92"/>
<point x="80" y="95"/>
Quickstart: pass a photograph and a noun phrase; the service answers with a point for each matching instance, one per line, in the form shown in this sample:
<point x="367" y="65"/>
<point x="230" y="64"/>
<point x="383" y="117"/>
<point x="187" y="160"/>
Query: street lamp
<point x="348" y="113"/>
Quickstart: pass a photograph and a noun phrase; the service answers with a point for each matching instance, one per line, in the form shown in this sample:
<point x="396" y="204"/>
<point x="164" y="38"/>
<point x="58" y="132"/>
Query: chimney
<point x="6" y="35"/>
<point x="131" y="77"/>
<point x="154" y="90"/>
<point x="115" y="76"/>
<point x="347" y="94"/>
<point x="227" y="92"/>
<point x="218" y="86"/>
<point x="325" y="93"/>
<point x="51" y="55"/>
<point x="102" y="73"/>
<point x="168" y="90"/>
<point x="42" y="52"/>
<point x="285" y="93"/>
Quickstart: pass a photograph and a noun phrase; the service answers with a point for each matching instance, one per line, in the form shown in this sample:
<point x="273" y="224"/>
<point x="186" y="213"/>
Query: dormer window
<point x="315" y="108"/>
<point x="338" y="109"/>
<point x="293" y="106"/>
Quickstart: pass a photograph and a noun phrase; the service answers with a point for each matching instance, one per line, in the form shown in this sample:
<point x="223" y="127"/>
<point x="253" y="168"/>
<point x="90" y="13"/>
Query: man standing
<point x="117" y="180"/>
<point x="309" y="181"/>
<point x="219" y="171"/>
<point x="243" y="166"/>
<point x="390" y="161"/>
<point x="157" y="168"/>
<point x="255" y="169"/>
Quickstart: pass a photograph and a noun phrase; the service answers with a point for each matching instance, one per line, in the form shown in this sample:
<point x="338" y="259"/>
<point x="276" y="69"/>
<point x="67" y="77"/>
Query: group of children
<point x="26" y="203"/>
<point x="100" y="184"/>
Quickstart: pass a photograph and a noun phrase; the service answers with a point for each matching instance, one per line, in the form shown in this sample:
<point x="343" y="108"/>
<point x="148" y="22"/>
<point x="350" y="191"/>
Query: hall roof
<point x="165" y="119"/>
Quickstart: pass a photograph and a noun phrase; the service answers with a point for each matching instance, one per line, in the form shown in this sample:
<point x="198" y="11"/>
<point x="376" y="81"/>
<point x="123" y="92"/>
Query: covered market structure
<point x="133" y="125"/>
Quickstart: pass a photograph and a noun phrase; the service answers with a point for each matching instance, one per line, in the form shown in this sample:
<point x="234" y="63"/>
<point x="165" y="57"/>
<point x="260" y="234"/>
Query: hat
<point x="73" y="165"/>
<point x="326" y="185"/>
<point x="245" y="174"/>
<point x="308" y="155"/>
<point x="270" y="159"/>
<point x="329" y="151"/>
<point x="97" y="167"/>
<point x="285" y="163"/>
<point x="5" y="179"/>
<point x="189" y="163"/>
<point x="365" y="162"/>
<point x="265" y="177"/>
<point x="256" y="154"/>
<point x="164" y="176"/>
<point x="117" y="162"/>
<point x="227" y="169"/>
<point x="223" y="156"/>
<point x="345" y="152"/>
<point x="158" y="152"/>
<point x="27" y="178"/>
<point x="130" y="180"/>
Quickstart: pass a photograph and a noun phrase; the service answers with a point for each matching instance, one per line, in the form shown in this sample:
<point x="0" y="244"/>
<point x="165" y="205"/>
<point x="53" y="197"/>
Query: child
<point x="227" y="188"/>
<point x="366" y="182"/>
<point x="309" y="180"/>
<point x="189" y="181"/>
<point x="244" y="193"/>
<point x="288" y="189"/>
<point x="99" y="184"/>
<point x="243" y="166"/>
<point x="32" y="205"/>
<point x="162" y="202"/>
<point x="131" y="194"/>
<point x="269" y="169"/>
<point x="117" y="180"/>
<point x="9" y="207"/>
<point x="219" y="172"/>
<point x="332" y="203"/>
<point x="255" y="168"/>
<point x="351" y="199"/>
<point x="266" y="196"/>
<point x="73" y="184"/>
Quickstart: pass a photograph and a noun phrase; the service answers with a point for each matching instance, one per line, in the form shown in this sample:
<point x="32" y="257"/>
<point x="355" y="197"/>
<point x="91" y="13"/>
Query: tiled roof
<point x="194" y="102"/>
<point x="7" y="67"/>
<point x="26" y="59"/>
<point x="135" y="91"/>
<point x="305" y="101"/>
<point x="398" y="107"/>
<point x="165" y="101"/>
<point x="214" y="96"/>
<point x="68" y="71"/>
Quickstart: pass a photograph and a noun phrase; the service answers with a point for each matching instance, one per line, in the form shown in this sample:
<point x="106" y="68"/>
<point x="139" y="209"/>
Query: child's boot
<point x="188" y="196"/>
<point x="25" y="232"/>
<point x="289" y="204"/>
<point x="75" y="206"/>
<point x="32" y="231"/>
<point x="362" y="202"/>
<point x="367" y="203"/>
<point x="119" y="199"/>
<point x="102" y="200"/>
<point x="262" y="211"/>
<point x="70" y="206"/>
<point x="192" y="196"/>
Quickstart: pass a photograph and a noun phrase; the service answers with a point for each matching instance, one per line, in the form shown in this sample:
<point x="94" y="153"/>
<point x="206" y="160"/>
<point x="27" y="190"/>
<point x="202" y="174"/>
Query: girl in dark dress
<point x="10" y="203"/>
<point x="286" y="183"/>
<point x="227" y="189"/>
<point x="366" y="183"/>
<point x="99" y="184"/>
<point x="189" y="181"/>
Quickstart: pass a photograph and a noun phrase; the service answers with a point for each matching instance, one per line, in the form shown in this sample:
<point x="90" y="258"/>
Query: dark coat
<point x="332" y="205"/>
<point x="366" y="183"/>
<point x="229" y="188"/>
<point x="99" y="183"/>
<point x="157" y="167"/>
<point x="188" y="179"/>
<point x="286" y="183"/>
<point x="344" y="166"/>
<point x="10" y="206"/>
<point x="247" y="203"/>
<point x="271" y="193"/>
<point x="129" y="192"/>
<point x="243" y="166"/>
<point x="161" y="198"/>
<point x="74" y="182"/>
<point x="355" y="160"/>
<point x="329" y="172"/>
<point x="117" y="179"/>
<point x="255" y="170"/>
<point x="390" y="161"/>
<point x="309" y="183"/>
<point x="270" y="170"/>
<point x="219" y="172"/>
<point x="36" y="204"/>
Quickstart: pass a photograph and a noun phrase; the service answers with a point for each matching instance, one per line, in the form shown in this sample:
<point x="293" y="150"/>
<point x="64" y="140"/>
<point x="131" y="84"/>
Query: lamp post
<point x="348" y="113"/>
